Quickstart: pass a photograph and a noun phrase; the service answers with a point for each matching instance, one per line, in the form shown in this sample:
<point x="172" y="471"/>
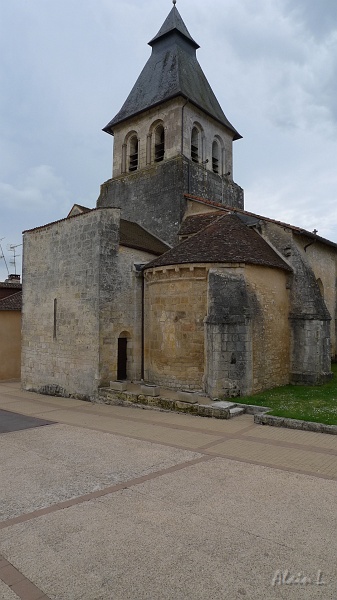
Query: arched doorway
<point x="122" y="356"/>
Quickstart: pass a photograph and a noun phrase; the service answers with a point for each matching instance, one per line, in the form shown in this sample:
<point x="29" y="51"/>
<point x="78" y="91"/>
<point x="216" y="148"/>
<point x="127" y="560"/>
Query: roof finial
<point x="174" y="2"/>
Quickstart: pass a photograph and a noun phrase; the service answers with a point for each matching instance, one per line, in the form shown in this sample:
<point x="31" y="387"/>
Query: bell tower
<point x="171" y="131"/>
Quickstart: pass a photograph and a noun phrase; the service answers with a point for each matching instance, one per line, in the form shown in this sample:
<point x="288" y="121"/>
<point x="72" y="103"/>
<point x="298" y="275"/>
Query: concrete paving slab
<point x="221" y="529"/>
<point x="146" y="431"/>
<point x="6" y="593"/>
<point x="288" y="508"/>
<point x="292" y="436"/>
<point x="25" y="407"/>
<point x="42" y="467"/>
<point x="217" y="426"/>
<point x="132" y="546"/>
<point x="278" y="456"/>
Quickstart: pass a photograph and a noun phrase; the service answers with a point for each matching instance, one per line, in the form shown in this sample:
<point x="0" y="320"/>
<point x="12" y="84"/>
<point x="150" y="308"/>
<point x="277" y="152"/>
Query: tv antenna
<point x="12" y="248"/>
<point x="3" y="256"/>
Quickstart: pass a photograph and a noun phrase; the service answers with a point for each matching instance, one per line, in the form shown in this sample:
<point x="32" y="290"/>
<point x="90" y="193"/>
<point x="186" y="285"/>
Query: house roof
<point x="172" y="70"/>
<point x="246" y="214"/>
<point x="225" y="240"/>
<point x="133" y="235"/>
<point x="11" y="285"/>
<point x="13" y="302"/>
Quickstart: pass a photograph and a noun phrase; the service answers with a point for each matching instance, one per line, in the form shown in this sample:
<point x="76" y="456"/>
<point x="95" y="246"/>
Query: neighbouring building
<point x="169" y="280"/>
<point x="10" y="328"/>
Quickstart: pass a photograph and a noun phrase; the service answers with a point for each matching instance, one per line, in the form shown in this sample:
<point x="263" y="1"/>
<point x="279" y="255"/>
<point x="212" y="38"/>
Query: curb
<point x="265" y="419"/>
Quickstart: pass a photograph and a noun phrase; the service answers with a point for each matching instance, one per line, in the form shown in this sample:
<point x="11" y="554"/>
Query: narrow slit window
<point x="159" y="149"/>
<point x="195" y="145"/>
<point x="133" y="163"/>
<point x="55" y="319"/>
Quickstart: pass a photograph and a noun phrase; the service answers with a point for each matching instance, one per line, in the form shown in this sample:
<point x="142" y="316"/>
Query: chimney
<point x="13" y="278"/>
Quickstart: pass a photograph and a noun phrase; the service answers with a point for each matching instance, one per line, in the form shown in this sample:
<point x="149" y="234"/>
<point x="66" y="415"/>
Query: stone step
<point x="223" y="404"/>
<point x="236" y="411"/>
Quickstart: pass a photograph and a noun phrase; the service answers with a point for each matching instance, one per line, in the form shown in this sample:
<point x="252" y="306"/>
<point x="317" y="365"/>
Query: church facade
<point x="169" y="280"/>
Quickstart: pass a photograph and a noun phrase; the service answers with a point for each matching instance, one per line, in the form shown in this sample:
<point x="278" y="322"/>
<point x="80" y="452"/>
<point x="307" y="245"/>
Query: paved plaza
<point x="114" y="503"/>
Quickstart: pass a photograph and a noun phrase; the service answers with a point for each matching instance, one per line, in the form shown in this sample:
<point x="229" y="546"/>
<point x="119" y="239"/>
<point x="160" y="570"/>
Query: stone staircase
<point x="234" y="409"/>
<point x="185" y="401"/>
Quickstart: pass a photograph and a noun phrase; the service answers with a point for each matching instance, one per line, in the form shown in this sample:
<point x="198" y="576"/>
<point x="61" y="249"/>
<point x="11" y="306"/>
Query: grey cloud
<point x="319" y="16"/>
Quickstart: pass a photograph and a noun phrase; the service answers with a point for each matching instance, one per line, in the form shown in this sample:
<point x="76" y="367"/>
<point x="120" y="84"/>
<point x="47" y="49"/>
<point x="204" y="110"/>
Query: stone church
<point x="169" y="280"/>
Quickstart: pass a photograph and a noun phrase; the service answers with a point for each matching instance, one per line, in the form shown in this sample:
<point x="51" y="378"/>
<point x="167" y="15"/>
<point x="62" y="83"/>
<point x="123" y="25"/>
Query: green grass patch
<point x="317" y="403"/>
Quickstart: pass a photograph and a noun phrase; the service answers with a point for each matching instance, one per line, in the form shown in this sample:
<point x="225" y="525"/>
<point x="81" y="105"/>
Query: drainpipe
<point x="143" y="328"/>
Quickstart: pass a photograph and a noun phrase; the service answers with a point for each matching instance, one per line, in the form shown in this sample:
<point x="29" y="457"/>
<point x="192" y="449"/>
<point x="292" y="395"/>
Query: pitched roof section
<point x="172" y="70"/>
<point x="135" y="236"/>
<point x="13" y="302"/>
<point x="194" y="223"/>
<point x="226" y="240"/>
<point x="11" y="285"/>
<point x="244" y="213"/>
<point x="174" y="22"/>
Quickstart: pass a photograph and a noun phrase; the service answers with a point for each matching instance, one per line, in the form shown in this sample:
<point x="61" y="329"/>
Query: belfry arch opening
<point x="133" y="155"/>
<point x="215" y="157"/>
<point x="195" y="150"/>
<point x="159" y="144"/>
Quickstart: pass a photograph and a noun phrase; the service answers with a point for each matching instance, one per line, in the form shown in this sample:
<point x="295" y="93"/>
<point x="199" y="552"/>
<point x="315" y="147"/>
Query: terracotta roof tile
<point x="15" y="285"/>
<point x="194" y="223"/>
<point x="226" y="240"/>
<point x="227" y="209"/>
<point x="13" y="302"/>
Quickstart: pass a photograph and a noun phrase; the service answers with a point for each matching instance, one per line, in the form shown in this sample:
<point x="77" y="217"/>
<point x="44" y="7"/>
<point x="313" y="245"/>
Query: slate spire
<point x="172" y="70"/>
<point x="174" y="22"/>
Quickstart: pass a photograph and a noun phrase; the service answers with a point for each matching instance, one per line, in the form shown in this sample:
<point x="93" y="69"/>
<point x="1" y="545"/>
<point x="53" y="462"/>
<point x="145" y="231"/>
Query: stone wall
<point x="178" y="117"/>
<point x="68" y="271"/>
<point x="10" y="344"/>
<point x="270" y="327"/>
<point x="323" y="259"/>
<point x="229" y="368"/>
<point x="122" y="316"/>
<point x="309" y="316"/>
<point x="154" y="196"/>
<point x="175" y="307"/>
<point x="247" y="330"/>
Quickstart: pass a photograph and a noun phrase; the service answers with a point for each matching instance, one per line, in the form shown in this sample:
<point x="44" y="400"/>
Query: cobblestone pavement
<point x="115" y="503"/>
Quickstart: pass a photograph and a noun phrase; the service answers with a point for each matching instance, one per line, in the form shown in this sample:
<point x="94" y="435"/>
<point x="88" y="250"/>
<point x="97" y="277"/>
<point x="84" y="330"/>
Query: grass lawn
<point x="309" y="403"/>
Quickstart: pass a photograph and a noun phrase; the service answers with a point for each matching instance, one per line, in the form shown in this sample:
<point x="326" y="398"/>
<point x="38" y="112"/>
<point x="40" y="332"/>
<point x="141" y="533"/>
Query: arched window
<point x="159" y="144"/>
<point x="133" y="155"/>
<point x="195" y="145"/>
<point x="215" y="157"/>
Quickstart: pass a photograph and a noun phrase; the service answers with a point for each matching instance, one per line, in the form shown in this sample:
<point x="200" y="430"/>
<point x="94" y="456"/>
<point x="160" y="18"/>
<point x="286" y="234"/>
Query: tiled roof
<point x="226" y="240"/>
<point x="15" y="285"/>
<point x="171" y="71"/>
<point x="135" y="236"/>
<point x="238" y="211"/>
<point x="13" y="302"/>
<point x="194" y="223"/>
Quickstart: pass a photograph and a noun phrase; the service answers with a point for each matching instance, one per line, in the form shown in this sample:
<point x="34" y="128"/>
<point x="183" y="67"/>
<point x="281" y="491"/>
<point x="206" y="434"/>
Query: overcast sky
<point x="66" y="67"/>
